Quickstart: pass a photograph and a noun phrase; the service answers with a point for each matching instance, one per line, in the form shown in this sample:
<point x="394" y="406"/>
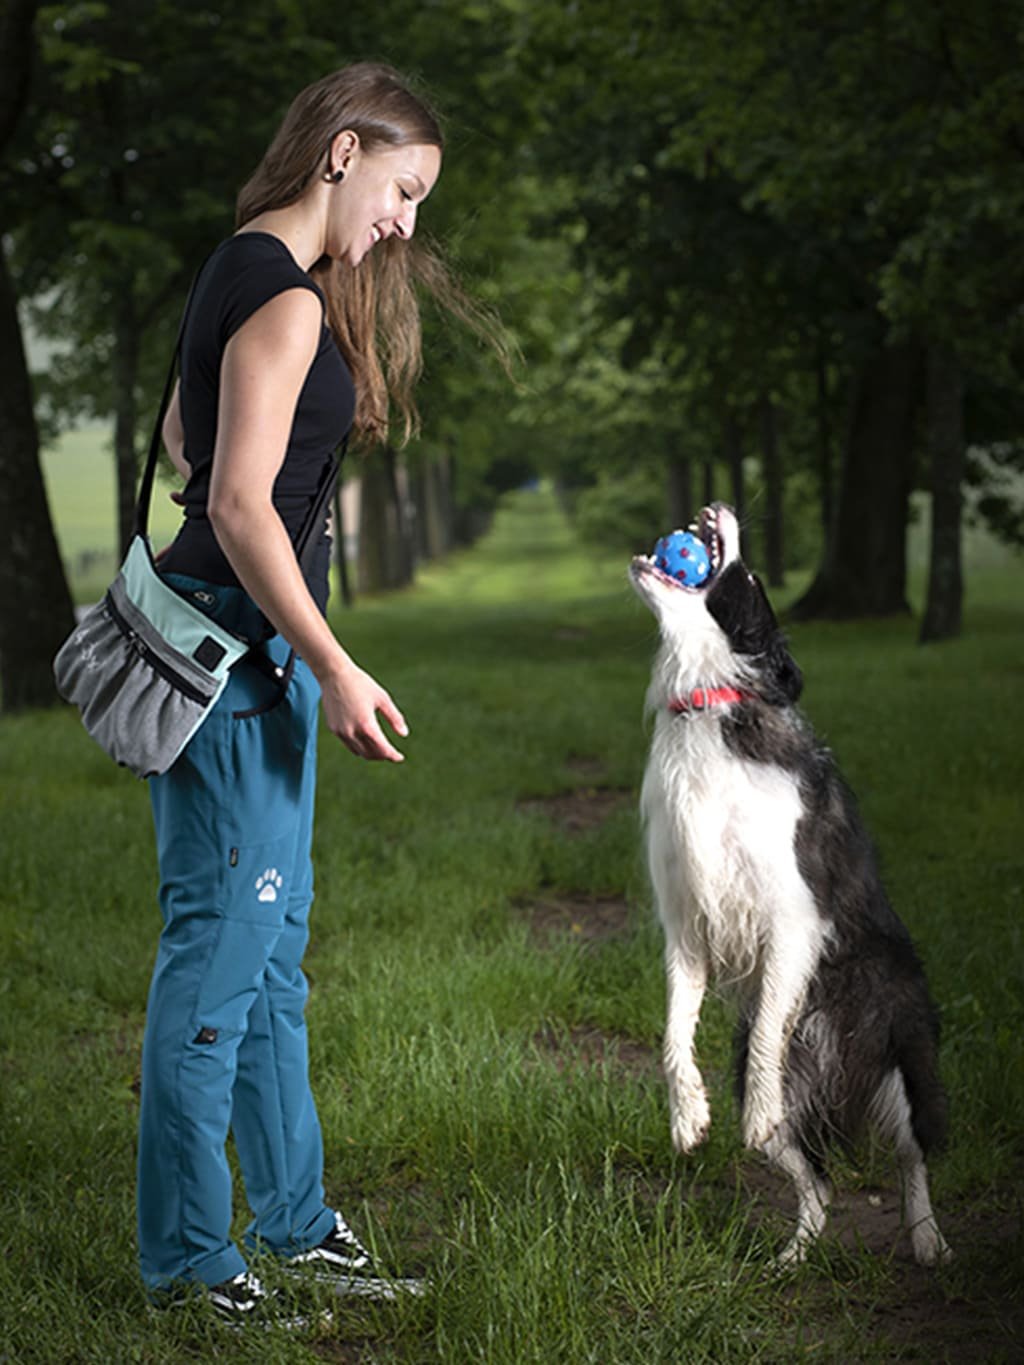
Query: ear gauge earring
<point x="334" y="178"/>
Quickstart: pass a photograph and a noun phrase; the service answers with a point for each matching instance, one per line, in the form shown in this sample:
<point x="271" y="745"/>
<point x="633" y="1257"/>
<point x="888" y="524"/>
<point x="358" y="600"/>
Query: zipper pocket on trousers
<point x="184" y="685"/>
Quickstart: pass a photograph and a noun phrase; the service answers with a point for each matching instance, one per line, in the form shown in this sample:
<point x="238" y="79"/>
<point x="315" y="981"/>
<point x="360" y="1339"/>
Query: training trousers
<point x="225" y="1043"/>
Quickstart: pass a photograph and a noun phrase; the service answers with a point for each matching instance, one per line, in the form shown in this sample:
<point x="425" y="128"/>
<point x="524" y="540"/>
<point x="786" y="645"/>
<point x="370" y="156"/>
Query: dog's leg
<point x="789" y="962"/>
<point x="930" y="1247"/>
<point x="891" y="1112"/>
<point x="812" y="1194"/>
<point x="686" y="973"/>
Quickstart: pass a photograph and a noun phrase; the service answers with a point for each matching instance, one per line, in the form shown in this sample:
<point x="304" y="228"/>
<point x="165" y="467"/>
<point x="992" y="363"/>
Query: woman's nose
<point x="405" y="223"/>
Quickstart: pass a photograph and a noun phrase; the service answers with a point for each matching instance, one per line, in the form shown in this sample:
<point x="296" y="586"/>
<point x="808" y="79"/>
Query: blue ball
<point x="683" y="557"/>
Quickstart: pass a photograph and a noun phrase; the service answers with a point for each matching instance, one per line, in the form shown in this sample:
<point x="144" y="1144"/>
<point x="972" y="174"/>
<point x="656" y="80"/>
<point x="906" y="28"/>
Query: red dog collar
<point x="701" y="698"/>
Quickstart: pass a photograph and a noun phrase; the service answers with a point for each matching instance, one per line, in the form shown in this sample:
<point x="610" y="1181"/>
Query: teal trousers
<point x="225" y="1042"/>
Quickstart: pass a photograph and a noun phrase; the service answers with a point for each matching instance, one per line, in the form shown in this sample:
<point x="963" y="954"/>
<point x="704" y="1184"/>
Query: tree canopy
<point x="776" y="245"/>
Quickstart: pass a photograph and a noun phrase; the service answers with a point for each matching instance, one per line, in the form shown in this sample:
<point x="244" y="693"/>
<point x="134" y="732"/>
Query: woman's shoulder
<point x="246" y="252"/>
<point x="249" y="269"/>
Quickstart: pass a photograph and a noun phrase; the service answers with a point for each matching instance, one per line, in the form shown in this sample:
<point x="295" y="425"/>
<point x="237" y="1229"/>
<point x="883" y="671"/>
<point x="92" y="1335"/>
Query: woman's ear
<point x="344" y="146"/>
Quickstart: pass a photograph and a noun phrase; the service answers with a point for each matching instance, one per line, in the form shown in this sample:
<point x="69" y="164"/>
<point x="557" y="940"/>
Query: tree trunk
<point x="708" y="480"/>
<point x="680" y="491"/>
<point x="943" y="611"/>
<point x="373" y="515"/>
<point x="403" y="549"/>
<point x="436" y="508"/>
<point x="467" y="521"/>
<point x="16" y="20"/>
<point x="35" y="606"/>
<point x="36" y="614"/>
<point x="774" y="532"/>
<point x="865" y="572"/>
<point x="385" y="554"/>
<point x="338" y="545"/>
<point x="417" y="496"/>
<point x="127" y="338"/>
<point x="732" y="440"/>
<point x="826" y="462"/>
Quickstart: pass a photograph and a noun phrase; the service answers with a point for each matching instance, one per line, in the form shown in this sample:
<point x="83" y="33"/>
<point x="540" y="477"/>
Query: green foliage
<point x="803" y="535"/>
<point x="680" y="212"/>
<point x="776" y="196"/>
<point x="619" y="512"/>
<point x="468" y="1131"/>
<point x="144" y="119"/>
<point x="894" y="128"/>
<point x="996" y="476"/>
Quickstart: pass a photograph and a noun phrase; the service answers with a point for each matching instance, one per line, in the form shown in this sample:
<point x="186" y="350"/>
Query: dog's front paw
<point x="689" y="1115"/>
<point x="930" y="1247"/>
<point x="794" y="1253"/>
<point x="761" y="1120"/>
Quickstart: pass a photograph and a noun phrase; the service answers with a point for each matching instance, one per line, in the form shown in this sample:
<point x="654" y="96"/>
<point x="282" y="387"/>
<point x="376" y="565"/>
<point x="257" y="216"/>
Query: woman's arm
<point x="262" y="372"/>
<point x="174" y="435"/>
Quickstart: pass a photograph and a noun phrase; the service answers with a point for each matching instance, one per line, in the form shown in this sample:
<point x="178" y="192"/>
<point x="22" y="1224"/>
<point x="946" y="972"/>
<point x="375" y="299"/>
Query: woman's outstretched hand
<point x="351" y="701"/>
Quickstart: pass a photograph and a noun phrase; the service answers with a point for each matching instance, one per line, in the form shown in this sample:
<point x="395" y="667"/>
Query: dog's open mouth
<point x="689" y="559"/>
<point x="711" y="534"/>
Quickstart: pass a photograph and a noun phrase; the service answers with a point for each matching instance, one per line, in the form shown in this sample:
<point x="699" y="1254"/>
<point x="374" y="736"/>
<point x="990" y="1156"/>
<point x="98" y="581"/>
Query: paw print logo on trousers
<point x="268" y="884"/>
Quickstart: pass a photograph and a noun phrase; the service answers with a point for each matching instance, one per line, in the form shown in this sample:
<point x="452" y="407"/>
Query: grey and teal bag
<point x="145" y="666"/>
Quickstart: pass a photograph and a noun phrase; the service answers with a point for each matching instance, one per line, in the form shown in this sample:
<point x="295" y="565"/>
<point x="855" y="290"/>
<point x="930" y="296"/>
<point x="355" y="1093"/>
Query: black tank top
<point x="243" y="273"/>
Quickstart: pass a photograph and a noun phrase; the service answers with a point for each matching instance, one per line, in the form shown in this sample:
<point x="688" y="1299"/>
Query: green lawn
<point x="487" y="1002"/>
<point x="78" y="470"/>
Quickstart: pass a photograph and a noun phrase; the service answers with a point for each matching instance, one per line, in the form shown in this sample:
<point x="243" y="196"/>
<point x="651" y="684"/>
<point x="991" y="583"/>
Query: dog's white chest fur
<point x="721" y="843"/>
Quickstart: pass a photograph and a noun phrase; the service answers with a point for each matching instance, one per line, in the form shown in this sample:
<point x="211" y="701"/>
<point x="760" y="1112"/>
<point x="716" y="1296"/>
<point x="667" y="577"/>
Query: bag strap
<point x="140" y="524"/>
<point x="306" y="541"/>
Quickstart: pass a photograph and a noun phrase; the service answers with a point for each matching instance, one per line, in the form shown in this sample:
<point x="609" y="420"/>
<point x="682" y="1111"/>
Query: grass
<point x="78" y="470"/>
<point x="471" y="1130"/>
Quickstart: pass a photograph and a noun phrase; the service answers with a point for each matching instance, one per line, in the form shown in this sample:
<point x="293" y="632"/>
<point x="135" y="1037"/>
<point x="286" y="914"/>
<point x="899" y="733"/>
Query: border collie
<point x="765" y="877"/>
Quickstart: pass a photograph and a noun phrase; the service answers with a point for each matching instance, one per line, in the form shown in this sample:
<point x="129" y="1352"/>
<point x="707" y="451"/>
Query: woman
<point x="279" y="360"/>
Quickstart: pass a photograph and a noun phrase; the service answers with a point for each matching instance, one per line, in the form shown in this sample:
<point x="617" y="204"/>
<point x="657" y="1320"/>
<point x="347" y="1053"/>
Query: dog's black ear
<point x="781" y="682"/>
<point x="740" y="606"/>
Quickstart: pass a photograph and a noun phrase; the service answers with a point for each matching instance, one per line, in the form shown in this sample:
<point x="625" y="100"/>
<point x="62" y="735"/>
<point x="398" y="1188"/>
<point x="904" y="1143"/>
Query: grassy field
<point x="487" y="1003"/>
<point x="78" y="470"/>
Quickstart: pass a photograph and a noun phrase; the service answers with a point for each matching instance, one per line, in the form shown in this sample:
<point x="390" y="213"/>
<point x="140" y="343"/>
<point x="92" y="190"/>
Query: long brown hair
<point x="372" y="309"/>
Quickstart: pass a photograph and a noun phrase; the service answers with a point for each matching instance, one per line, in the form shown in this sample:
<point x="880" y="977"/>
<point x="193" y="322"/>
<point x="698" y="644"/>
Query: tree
<point x="126" y="171"/>
<point x="828" y="193"/>
<point x="917" y="189"/>
<point x="731" y="300"/>
<point x="35" y="605"/>
<point x="124" y="179"/>
<point x="946" y="448"/>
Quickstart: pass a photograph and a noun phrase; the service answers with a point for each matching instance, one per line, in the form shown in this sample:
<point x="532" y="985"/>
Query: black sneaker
<point x="342" y="1262"/>
<point x="239" y="1299"/>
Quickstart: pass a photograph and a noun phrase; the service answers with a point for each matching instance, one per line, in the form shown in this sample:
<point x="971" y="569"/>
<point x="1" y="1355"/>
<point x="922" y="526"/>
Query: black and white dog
<point x="764" y="876"/>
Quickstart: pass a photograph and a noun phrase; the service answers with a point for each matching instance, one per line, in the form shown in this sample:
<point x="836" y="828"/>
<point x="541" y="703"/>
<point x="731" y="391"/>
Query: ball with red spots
<point x="682" y="556"/>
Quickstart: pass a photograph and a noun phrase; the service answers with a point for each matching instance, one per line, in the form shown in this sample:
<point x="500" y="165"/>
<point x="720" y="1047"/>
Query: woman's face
<point x="378" y="197"/>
